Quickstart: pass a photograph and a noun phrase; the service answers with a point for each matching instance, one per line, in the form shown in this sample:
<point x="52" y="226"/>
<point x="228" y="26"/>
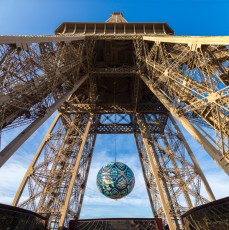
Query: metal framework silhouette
<point x="159" y="80"/>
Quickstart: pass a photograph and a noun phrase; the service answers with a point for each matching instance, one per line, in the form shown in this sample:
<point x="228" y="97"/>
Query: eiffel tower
<point x="150" y="80"/>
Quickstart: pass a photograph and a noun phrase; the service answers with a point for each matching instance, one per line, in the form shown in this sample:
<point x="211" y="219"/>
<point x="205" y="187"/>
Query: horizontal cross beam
<point x="152" y="108"/>
<point x="199" y="40"/>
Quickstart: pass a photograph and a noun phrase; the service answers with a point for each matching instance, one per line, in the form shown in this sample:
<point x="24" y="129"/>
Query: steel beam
<point x="9" y="150"/>
<point x="155" y="170"/>
<point x="145" y="177"/>
<point x="222" y="161"/>
<point x="194" y="160"/>
<point x="35" y="158"/>
<point x="198" y="40"/>
<point x="77" y="215"/>
<point x="64" y="208"/>
<point x="26" y="40"/>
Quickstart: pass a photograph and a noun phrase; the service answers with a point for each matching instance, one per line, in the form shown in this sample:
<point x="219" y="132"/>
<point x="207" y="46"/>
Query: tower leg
<point x="74" y="173"/>
<point x="142" y="159"/>
<point x="174" y="169"/>
<point x="155" y="171"/>
<point x="195" y="162"/>
<point x="55" y="181"/>
<point x="10" y="149"/>
<point x="163" y="73"/>
<point x="221" y="160"/>
<point x="35" y="158"/>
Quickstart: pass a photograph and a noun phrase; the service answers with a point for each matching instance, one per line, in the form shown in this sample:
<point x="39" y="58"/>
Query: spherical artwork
<point x="115" y="180"/>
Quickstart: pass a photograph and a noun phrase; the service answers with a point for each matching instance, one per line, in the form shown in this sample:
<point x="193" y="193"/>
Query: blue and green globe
<point x="115" y="180"/>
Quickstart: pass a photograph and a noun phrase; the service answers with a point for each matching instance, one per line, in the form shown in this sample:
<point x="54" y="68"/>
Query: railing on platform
<point x="117" y="224"/>
<point x="12" y="218"/>
<point x="210" y="216"/>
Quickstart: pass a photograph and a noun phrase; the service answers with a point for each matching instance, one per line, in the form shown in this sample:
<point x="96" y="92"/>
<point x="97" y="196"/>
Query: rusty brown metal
<point x="157" y="76"/>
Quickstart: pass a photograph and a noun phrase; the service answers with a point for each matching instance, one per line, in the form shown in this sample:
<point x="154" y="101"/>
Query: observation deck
<point x="115" y="25"/>
<point x="213" y="215"/>
<point x="18" y="218"/>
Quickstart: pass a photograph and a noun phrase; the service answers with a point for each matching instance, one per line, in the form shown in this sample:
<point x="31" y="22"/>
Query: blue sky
<point x="186" y="17"/>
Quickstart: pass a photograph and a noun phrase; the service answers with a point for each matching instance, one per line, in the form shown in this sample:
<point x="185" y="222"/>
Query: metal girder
<point x="178" y="76"/>
<point x="198" y="40"/>
<point x="150" y="183"/>
<point x="195" y="80"/>
<point x="146" y="171"/>
<point x="109" y="71"/>
<point x="118" y="123"/>
<point x="153" y="75"/>
<point x="178" y="173"/>
<point x="71" y="108"/>
<point x="31" y="80"/>
<point x="193" y="158"/>
<point x="74" y="172"/>
<point x="155" y="171"/>
<point x="34" y="161"/>
<point x="113" y="128"/>
<point x="9" y="150"/>
<point x="113" y="123"/>
<point x="210" y="149"/>
<point x="191" y="100"/>
<point x="66" y="148"/>
<point x="24" y="41"/>
<point x="83" y="186"/>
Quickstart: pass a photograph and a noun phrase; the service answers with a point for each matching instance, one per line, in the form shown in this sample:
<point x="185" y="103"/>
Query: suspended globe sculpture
<point x="115" y="180"/>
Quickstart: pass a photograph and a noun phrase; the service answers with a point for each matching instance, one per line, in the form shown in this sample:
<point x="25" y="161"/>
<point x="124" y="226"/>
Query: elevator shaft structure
<point x="151" y="81"/>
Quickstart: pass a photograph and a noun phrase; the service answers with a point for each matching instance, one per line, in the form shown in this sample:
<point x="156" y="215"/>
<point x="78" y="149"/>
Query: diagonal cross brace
<point x="9" y="150"/>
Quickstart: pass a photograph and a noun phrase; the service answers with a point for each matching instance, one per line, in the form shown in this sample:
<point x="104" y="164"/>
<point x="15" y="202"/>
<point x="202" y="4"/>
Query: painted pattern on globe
<point x="115" y="180"/>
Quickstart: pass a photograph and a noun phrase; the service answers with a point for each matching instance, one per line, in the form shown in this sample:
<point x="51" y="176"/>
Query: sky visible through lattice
<point x="186" y="17"/>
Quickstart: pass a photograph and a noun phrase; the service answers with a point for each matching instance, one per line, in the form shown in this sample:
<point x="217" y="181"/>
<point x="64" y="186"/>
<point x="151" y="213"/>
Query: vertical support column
<point x="63" y="210"/>
<point x="77" y="215"/>
<point x="56" y="179"/>
<point x="34" y="160"/>
<point x="172" y="156"/>
<point x="193" y="158"/>
<point x="9" y="150"/>
<point x="140" y="155"/>
<point x="221" y="160"/>
<point x="155" y="170"/>
<point x="178" y="169"/>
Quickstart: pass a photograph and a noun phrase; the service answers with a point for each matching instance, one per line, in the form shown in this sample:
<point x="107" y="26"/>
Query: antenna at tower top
<point x="116" y="17"/>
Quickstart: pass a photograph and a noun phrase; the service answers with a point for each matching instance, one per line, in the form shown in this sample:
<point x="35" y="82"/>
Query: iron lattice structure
<point x="138" y="72"/>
